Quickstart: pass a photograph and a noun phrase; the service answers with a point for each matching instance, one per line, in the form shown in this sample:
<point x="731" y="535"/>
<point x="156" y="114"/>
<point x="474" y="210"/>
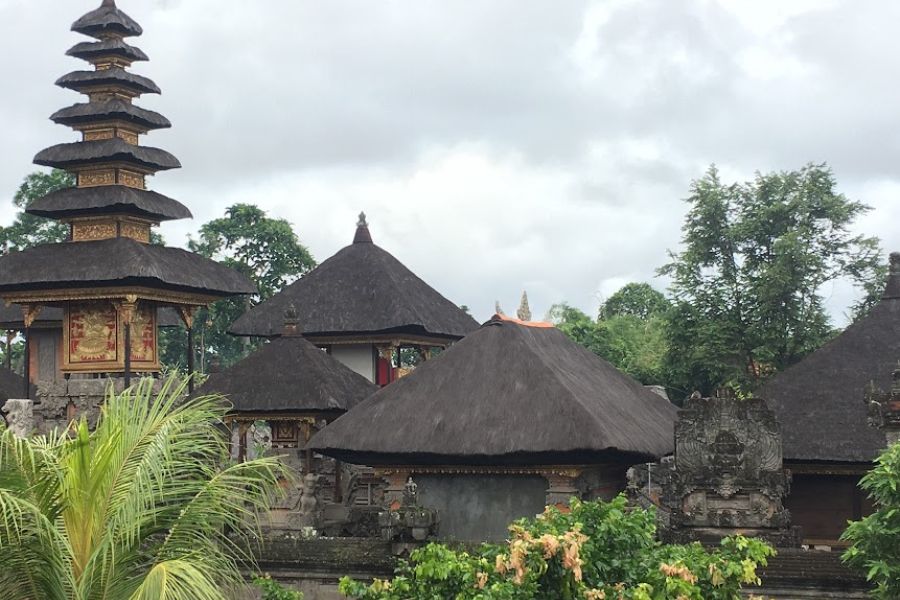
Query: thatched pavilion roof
<point x="510" y="393"/>
<point x="361" y="289"/>
<point x="289" y="374"/>
<point x="820" y="401"/>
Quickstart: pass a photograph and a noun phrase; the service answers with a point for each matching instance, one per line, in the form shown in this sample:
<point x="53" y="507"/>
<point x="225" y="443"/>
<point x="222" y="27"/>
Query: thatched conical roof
<point x="509" y="393"/>
<point x="820" y="401"/>
<point x="289" y="375"/>
<point x="361" y="289"/>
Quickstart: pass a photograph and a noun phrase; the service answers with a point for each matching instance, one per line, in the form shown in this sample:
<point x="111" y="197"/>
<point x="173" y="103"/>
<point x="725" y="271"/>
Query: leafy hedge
<point x="593" y="551"/>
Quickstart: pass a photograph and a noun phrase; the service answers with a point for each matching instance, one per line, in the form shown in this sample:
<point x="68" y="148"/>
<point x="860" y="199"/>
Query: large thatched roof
<point x="510" y="393"/>
<point x="361" y="289"/>
<point x="820" y="401"/>
<point x="115" y="108"/>
<point x="119" y="262"/>
<point x="289" y="375"/>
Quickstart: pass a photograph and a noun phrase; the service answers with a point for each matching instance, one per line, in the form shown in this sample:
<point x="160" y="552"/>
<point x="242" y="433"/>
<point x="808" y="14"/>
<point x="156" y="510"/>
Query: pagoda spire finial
<point x="109" y="3"/>
<point x="362" y="231"/>
<point x="524" y="312"/>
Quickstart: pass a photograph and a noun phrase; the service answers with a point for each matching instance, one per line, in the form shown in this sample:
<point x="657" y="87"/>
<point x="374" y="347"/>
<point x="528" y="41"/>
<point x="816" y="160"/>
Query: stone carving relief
<point x="726" y="475"/>
<point x="19" y="417"/>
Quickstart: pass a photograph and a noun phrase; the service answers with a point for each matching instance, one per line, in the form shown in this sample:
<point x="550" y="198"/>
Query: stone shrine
<point x="726" y="476"/>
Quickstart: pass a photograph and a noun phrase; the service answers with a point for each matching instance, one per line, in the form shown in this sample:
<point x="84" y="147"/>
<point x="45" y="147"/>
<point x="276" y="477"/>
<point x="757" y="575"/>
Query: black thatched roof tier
<point x="289" y="375"/>
<point x="11" y="317"/>
<point x="12" y="385"/>
<point x="51" y="316"/>
<point x="64" y="156"/>
<point x="361" y="289"/>
<point x="820" y="401"/>
<point x="80" y="81"/>
<point x="108" y="200"/>
<point x="108" y="47"/>
<point x="107" y="20"/>
<point x="510" y="393"/>
<point x="117" y="262"/>
<point x="93" y="112"/>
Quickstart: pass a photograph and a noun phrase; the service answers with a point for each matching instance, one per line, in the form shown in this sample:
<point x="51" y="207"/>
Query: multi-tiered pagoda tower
<point x="108" y="278"/>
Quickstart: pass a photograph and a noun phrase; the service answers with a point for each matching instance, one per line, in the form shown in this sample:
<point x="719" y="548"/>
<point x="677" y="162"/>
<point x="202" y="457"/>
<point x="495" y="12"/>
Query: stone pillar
<point x="396" y="484"/>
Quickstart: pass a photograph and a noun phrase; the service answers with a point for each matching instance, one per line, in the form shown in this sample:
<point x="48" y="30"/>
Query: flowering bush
<point x="594" y="551"/>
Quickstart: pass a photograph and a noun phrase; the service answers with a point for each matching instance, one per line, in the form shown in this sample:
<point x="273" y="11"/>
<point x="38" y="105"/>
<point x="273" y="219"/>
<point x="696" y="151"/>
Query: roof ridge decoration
<point x="362" y="236"/>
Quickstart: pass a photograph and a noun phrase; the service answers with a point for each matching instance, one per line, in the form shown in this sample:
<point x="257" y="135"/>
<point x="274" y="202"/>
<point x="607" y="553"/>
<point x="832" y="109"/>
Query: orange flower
<point x="500" y="564"/>
<point x="481" y="580"/>
<point x="550" y="543"/>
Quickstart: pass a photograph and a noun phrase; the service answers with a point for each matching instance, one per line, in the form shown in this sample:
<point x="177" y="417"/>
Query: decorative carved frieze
<point x="726" y="476"/>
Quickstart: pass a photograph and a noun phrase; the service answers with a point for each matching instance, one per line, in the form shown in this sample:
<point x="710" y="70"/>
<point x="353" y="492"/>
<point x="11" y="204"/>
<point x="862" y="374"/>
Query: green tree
<point x="139" y="509"/>
<point x="631" y="333"/>
<point x="746" y="281"/>
<point x="264" y="249"/>
<point x="875" y="540"/>
<point x="28" y="230"/>
<point x="637" y="300"/>
<point x="597" y="550"/>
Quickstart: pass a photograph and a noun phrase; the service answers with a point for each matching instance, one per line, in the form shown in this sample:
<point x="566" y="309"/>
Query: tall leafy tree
<point x="630" y="334"/>
<point x="28" y="230"/>
<point x="263" y="248"/>
<point x="747" y="280"/>
<point x="144" y="507"/>
<point x="637" y="300"/>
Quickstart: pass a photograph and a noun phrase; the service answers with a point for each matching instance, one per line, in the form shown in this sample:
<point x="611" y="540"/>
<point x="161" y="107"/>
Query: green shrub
<point x="875" y="540"/>
<point x="594" y="551"/>
<point x="272" y="590"/>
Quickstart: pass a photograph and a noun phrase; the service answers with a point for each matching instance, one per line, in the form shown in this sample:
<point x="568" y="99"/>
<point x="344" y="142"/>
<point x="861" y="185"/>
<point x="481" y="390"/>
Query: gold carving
<point x="87" y="231"/>
<point x="97" y="134"/>
<point x="187" y="315"/>
<point x="30" y="312"/>
<point x="135" y="231"/>
<point x="130" y="178"/>
<point x="91" y="333"/>
<point x="99" y="293"/>
<point x="95" y="178"/>
<point x="129" y="136"/>
<point x="143" y="336"/>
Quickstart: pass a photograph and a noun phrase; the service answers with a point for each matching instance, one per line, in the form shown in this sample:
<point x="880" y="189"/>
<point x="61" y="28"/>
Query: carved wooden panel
<point x="92" y="332"/>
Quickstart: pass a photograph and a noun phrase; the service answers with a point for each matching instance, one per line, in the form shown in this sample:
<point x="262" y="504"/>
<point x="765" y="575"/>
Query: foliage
<point x="746" y="282"/>
<point x="137" y="509"/>
<point x="636" y="300"/>
<point x="272" y="590"/>
<point x="636" y="345"/>
<point x="264" y="249"/>
<point x="875" y="540"/>
<point x="29" y="230"/>
<point x="596" y="550"/>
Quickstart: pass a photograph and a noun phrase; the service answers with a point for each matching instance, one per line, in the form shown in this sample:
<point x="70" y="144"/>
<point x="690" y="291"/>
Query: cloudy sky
<point x="495" y="145"/>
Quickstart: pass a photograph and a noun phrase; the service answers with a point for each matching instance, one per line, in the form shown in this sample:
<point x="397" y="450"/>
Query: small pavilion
<point x="512" y="418"/>
<point x="295" y="389"/>
<point x="367" y="310"/>
<point x="108" y="282"/>
<point x="821" y="405"/>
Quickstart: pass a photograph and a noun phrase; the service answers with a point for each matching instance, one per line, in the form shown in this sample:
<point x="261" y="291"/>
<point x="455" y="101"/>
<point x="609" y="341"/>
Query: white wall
<point x="359" y="357"/>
